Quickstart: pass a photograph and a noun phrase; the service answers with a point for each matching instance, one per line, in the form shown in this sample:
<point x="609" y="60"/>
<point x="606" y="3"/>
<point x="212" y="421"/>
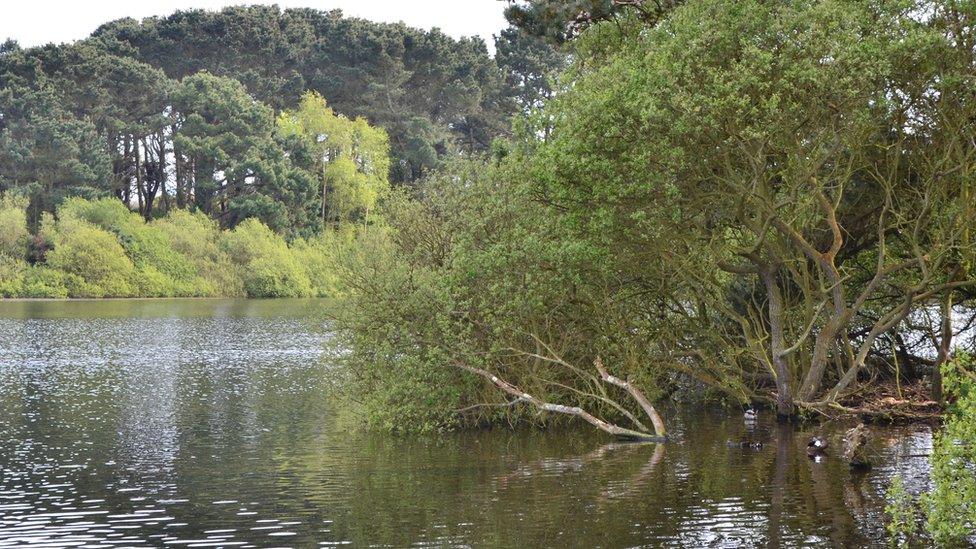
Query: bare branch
<point x="604" y="426"/>
<point x="637" y="395"/>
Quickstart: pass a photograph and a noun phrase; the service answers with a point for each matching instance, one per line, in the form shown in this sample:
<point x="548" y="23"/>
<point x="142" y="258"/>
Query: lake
<point x="207" y="423"/>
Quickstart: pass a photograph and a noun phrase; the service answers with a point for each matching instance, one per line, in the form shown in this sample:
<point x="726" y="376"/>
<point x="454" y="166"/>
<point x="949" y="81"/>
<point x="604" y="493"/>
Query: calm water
<point x="205" y="424"/>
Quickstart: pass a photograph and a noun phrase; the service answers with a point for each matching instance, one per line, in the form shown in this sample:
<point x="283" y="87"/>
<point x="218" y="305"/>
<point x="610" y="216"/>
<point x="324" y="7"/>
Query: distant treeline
<point x="179" y="111"/>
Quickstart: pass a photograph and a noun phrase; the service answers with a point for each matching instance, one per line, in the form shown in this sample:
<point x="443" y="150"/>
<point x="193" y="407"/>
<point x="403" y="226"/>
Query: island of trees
<point x="736" y="201"/>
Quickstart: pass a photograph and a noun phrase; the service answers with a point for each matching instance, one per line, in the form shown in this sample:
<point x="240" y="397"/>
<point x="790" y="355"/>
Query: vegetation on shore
<point x="737" y="201"/>
<point x="752" y="203"/>
<point x="99" y="248"/>
<point x="184" y="111"/>
<point x="746" y="202"/>
<point x="949" y="510"/>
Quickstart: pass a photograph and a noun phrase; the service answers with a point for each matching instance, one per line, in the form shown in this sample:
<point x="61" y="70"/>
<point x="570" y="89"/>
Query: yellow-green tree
<point x="351" y="157"/>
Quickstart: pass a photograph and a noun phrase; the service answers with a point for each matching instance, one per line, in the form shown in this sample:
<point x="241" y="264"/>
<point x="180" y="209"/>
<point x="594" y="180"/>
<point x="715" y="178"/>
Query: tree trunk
<point x="945" y="345"/>
<point x="784" y="398"/>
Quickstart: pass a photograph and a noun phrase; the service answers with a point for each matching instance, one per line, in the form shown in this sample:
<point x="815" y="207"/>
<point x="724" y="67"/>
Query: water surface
<point x="206" y="423"/>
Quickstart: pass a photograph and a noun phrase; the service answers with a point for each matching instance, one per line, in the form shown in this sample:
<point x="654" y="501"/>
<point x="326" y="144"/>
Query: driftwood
<point x="659" y="435"/>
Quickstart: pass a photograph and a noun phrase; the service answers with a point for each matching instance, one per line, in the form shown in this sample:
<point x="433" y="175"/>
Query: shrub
<point x="901" y="511"/>
<point x="951" y="506"/>
<point x="196" y="237"/>
<point x="40" y="281"/>
<point x="470" y="272"/>
<point x="268" y="266"/>
<point x="95" y="258"/>
<point x="13" y="227"/>
<point x="161" y="270"/>
<point x="322" y="257"/>
<point x="99" y="248"/>
<point x="401" y="380"/>
<point x="107" y="213"/>
<point x="11" y="276"/>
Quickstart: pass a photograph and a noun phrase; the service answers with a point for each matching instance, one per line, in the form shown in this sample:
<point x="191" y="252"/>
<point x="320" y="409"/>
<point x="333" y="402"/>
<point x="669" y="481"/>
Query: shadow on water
<point x="204" y="423"/>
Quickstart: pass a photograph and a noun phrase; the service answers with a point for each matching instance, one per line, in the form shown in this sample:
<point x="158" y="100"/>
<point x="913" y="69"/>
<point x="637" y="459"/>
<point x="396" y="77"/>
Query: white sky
<point x="36" y="22"/>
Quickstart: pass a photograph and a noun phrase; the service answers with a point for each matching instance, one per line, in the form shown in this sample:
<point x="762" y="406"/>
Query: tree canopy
<point x="180" y="111"/>
<point x="769" y="202"/>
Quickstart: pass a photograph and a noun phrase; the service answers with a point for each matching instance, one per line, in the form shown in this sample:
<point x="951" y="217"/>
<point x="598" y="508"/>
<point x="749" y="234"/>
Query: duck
<point x="750" y="414"/>
<point x="817" y="446"/>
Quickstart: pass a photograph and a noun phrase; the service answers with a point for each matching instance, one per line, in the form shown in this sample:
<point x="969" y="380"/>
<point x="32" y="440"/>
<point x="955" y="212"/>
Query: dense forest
<point x="746" y="202"/>
<point x="299" y="119"/>
<point x="168" y="111"/>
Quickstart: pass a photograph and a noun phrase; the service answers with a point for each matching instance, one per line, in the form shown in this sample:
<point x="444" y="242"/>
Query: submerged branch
<point x="604" y="426"/>
<point x="637" y="395"/>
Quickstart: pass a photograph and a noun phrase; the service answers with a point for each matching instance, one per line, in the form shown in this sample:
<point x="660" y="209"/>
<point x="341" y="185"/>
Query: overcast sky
<point x="36" y="22"/>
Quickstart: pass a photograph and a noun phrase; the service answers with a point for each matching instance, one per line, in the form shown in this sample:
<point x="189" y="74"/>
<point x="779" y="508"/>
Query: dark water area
<point x="207" y="423"/>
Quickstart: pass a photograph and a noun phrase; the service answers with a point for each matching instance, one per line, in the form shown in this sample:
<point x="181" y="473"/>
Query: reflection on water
<point x="205" y="424"/>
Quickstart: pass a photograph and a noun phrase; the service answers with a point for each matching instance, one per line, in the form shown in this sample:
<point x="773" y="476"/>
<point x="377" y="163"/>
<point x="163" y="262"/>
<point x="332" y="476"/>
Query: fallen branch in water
<point x="605" y="426"/>
<point x="635" y="393"/>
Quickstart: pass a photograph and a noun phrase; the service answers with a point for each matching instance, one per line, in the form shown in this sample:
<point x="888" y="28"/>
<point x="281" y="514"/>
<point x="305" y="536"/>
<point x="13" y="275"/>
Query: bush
<point x="107" y="213"/>
<point x="401" y="380"/>
<point x="45" y="282"/>
<point x="196" y="237"/>
<point x="322" y="257"/>
<point x="11" y="276"/>
<point x="951" y="506"/>
<point x="13" y="227"/>
<point x="473" y="271"/>
<point x="94" y="257"/>
<point x="161" y="270"/>
<point x="98" y="248"/>
<point x="268" y="267"/>
<point x="901" y="511"/>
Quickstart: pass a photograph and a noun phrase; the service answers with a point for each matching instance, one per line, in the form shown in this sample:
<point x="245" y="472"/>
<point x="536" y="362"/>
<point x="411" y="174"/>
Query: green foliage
<point x="176" y="110"/>
<point x="530" y="65"/>
<point x="324" y="255"/>
<point x="351" y="156"/>
<point x="267" y="266"/>
<point x="161" y="271"/>
<point x="713" y="155"/>
<point x="46" y="151"/>
<point x="93" y="260"/>
<point x="399" y="378"/>
<point x="99" y="248"/>
<point x="473" y="271"/>
<point x="951" y="506"/>
<point x="562" y="20"/>
<point x="13" y="227"/>
<point x="704" y="204"/>
<point x="196" y="237"/>
<point x="900" y="509"/>
<point x="11" y="276"/>
<point x="44" y="282"/>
